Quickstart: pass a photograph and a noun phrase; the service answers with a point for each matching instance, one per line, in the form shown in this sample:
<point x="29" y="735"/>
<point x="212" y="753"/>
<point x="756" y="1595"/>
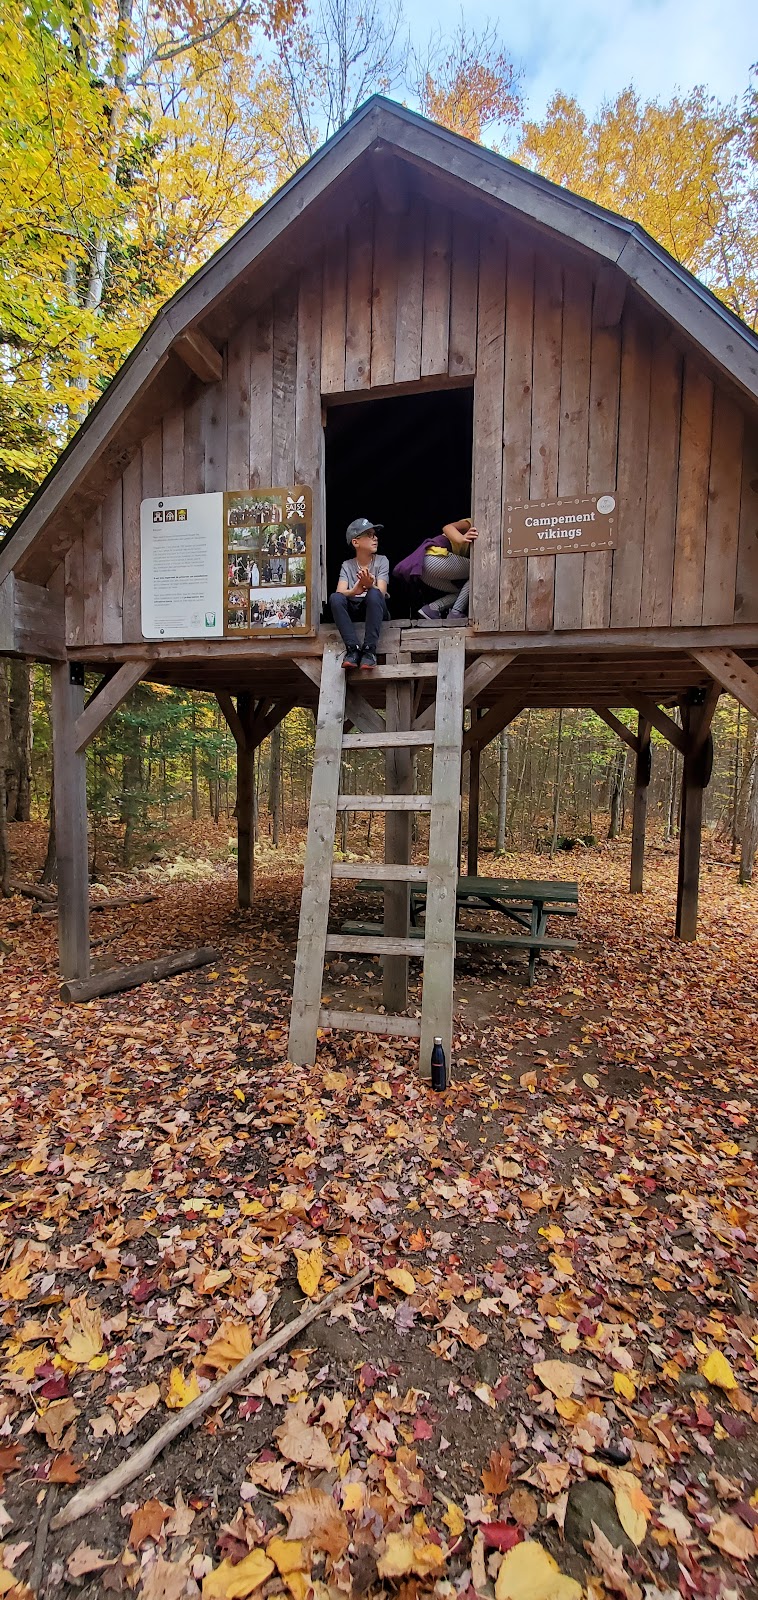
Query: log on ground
<point x="118" y="978"/>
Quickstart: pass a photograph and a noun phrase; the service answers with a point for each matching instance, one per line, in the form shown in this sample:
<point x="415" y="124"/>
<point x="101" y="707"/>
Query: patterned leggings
<point x="449" y="575"/>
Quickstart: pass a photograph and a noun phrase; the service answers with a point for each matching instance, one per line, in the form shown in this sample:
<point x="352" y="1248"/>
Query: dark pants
<point x="347" y="612"/>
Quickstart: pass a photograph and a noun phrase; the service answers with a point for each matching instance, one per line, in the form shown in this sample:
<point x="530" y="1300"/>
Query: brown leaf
<point x="610" y="1562"/>
<point x="524" y="1507"/>
<point x="314" y="1518"/>
<point x="84" y="1559"/>
<point x="63" y="1469"/>
<point x="147" y="1522"/>
<point x="303" y="1444"/>
<point x="495" y="1477"/>
<point x="54" y="1422"/>
<point x="731" y="1536"/>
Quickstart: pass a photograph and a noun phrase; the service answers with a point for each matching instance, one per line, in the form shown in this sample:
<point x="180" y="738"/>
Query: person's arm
<point x="461" y="535"/>
<point x="379" y="581"/>
<point x="343" y="587"/>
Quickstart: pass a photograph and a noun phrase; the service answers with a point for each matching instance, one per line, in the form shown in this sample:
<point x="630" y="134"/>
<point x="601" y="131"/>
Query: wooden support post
<point x="474" y="774"/>
<point x="642" y="772"/>
<point x="398" y="831"/>
<point x="698" y="762"/>
<point x="245" y="806"/>
<point x="439" y="939"/>
<point x="70" y="792"/>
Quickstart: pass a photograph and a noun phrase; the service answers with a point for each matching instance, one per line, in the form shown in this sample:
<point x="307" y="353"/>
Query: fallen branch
<point x="33" y="891"/>
<point x="96" y="1494"/>
<point x="43" y="1528"/>
<point x="116" y="979"/>
<point x="108" y="903"/>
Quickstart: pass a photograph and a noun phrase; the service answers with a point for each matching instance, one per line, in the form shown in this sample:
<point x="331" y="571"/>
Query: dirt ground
<point x="556" y="1353"/>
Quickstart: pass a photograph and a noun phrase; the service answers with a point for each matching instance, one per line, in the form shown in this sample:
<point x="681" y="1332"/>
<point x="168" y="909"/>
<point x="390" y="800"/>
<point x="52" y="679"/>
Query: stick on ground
<point x="96" y="1494"/>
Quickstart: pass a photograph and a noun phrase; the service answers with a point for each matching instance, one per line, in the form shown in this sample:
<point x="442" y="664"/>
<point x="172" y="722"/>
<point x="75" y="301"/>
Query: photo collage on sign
<point x="266" y="560"/>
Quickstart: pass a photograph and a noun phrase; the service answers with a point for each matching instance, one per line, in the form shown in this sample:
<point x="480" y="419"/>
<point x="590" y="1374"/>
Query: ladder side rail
<point x="317" y="873"/>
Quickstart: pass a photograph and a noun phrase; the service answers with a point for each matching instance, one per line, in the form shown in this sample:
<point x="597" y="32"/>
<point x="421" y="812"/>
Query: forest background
<point x="135" y="137"/>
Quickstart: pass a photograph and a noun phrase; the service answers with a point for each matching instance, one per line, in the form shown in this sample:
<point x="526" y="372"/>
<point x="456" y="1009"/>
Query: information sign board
<point x="226" y="564"/>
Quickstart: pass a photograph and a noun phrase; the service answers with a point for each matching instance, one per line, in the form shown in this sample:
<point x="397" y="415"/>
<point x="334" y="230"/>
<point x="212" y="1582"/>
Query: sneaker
<point x="351" y="658"/>
<point x="368" y="659"/>
<point x="430" y="613"/>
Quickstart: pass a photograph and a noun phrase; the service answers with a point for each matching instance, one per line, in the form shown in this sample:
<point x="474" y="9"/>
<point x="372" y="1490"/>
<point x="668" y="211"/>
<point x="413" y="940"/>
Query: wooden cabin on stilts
<point x="412" y="328"/>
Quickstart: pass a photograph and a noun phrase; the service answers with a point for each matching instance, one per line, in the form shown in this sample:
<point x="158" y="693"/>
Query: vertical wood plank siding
<point x="562" y="407"/>
<point x="488" y="430"/>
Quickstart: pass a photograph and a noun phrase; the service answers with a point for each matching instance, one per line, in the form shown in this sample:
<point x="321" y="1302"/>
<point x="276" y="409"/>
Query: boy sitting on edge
<point x="360" y="593"/>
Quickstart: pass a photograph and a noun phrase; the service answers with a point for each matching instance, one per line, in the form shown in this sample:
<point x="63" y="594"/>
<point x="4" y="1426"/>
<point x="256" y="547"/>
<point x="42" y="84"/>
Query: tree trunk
<point x="5" y="729"/>
<point x="275" y="782"/>
<point x="195" y="786"/>
<point x="19" y="753"/>
<point x="502" y="795"/>
<point x="617" y="793"/>
<point x="557" y="789"/>
<point x="750" y="824"/>
<point x="131" y="773"/>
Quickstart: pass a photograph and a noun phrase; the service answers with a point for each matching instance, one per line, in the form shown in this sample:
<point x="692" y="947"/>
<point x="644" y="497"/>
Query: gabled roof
<point x="724" y="340"/>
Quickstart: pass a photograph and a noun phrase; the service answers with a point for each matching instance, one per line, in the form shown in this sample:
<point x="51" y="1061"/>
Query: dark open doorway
<point x="404" y="461"/>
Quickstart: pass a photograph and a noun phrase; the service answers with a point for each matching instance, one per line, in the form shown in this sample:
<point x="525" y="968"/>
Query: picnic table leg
<point x="539" y="923"/>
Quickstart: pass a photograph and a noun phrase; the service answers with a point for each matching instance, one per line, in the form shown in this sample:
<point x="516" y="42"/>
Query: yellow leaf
<point x="288" y="1555"/>
<point x="310" y="1265"/>
<point x="625" y="1385"/>
<point x="334" y="1080"/>
<point x="382" y="1089"/>
<point x="81" y="1335"/>
<point x="251" y="1208"/>
<point x="528" y="1572"/>
<point x="137" y="1180"/>
<point x="181" y="1390"/>
<point x="401" y="1279"/>
<point x="231" y="1344"/>
<point x="716" y="1370"/>
<point x="405" y="1553"/>
<point x="562" y="1263"/>
<point x="14" y="1284"/>
<point x="454" y="1519"/>
<point x="562" y="1378"/>
<point x="7" y="1581"/>
<point x="632" y="1504"/>
<point x="229" y="1582"/>
<point x="352" y="1497"/>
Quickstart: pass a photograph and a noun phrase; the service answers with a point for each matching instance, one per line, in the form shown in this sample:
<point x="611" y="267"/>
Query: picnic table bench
<point x="525" y="901"/>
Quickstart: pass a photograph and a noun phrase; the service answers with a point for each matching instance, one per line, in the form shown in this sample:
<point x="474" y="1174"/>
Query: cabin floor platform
<point x="576" y="669"/>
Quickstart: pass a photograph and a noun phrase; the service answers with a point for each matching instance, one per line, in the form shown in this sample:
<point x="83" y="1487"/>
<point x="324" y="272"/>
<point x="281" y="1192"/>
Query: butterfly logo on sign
<point x="295" y="507"/>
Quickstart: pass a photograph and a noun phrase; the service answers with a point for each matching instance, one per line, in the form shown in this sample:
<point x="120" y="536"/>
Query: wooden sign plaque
<point x="555" y="527"/>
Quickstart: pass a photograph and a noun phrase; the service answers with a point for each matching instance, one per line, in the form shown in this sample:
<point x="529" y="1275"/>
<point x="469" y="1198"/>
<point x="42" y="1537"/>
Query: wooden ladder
<point x="445" y="736"/>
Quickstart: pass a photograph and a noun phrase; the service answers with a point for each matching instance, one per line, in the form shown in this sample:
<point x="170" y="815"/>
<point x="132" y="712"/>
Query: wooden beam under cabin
<point x="107" y="699"/>
<point x="479" y="676"/>
<point x="202" y="357"/>
<point x="617" y="726"/>
<point x="665" y="725"/>
<point x="500" y="716"/>
<point x="732" y="673"/>
<point x="232" y="718"/>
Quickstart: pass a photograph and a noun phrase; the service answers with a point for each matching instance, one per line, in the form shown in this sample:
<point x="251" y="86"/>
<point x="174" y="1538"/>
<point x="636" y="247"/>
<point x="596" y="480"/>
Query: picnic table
<point x="527" y="902"/>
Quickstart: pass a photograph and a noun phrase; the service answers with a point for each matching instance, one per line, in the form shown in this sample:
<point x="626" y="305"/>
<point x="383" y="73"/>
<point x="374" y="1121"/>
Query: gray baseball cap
<point x="362" y="525"/>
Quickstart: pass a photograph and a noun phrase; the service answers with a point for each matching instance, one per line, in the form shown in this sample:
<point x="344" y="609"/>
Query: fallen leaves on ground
<point x="565" y="1254"/>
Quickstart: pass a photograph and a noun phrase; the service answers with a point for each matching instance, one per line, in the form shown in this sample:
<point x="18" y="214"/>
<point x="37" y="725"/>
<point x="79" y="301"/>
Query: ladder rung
<point x="401" y="669"/>
<point x="382" y="871"/>
<point x="388" y="741"/>
<point x="384" y="802"/>
<point x="376" y="945"/>
<point x="370" y="1022"/>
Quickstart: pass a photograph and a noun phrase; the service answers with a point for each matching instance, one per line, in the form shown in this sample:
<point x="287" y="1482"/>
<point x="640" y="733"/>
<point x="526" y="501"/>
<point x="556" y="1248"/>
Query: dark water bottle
<point x="439" y="1066"/>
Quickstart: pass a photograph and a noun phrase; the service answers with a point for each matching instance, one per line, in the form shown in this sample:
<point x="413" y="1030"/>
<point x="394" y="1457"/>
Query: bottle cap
<point x="438" y="1041"/>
